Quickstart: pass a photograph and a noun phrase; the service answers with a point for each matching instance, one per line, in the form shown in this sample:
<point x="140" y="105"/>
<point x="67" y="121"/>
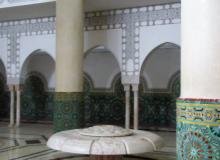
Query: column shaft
<point x="127" y="105"/>
<point x="69" y="57"/>
<point x="12" y="107"/>
<point x="198" y="109"/>
<point x="200" y="56"/>
<point x="18" y="105"/>
<point x="68" y="112"/>
<point x="136" y="107"/>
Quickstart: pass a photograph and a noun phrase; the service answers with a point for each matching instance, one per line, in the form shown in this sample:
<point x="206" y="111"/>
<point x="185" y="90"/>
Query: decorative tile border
<point x="14" y="30"/>
<point x="200" y="112"/>
<point x="148" y="16"/>
<point x="198" y="129"/>
<point x="128" y="20"/>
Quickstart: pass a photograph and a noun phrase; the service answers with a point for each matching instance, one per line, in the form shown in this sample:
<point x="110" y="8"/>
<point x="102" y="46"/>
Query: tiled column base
<point x="106" y="157"/>
<point x="68" y="111"/>
<point x="198" y="129"/>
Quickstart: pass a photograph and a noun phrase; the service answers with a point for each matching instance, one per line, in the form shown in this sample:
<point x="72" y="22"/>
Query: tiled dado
<point x="198" y="129"/>
<point x="68" y="111"/>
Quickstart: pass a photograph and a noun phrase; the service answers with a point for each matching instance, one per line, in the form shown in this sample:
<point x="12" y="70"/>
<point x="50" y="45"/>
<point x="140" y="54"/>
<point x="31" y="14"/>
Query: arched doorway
<point x="101" y="66"/>
<point x="105" y="99"/>
<point x="38" y="77"/>
<point x="34" y="99"/>
<point x="4" y="94"/>
<point x="160" y="72"/>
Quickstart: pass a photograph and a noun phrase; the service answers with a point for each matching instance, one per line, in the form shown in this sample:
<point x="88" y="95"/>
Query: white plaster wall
<point x="110" y="39"/>
<point x="160" y="66"/>
<point x="102" y="68"/>
<point x="43" y="64"/>
<point x="29" y="44"/>
<point x="150" y="38"/>
<point x="3" y="51"/>
<point x="153" y="36"/>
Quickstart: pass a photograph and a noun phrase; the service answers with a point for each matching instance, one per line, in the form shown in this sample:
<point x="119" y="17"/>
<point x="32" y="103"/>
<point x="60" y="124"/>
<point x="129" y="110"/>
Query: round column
<point x="18" y="105"/>
<point x="12" y="107"/>
<point x="198" y="109"/>
<point x="68" y="112"/>
<point x="136" y="107"/>
<point x="127" y="105"/>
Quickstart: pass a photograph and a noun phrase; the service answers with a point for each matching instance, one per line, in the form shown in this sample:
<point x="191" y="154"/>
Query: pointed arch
<point x="163" y="45"/>
<point x="41" y="62"/>
<point x="33" y="100"/>
<point x="101" y="65"/>
<point x="160" y="64"/>
<point x="100" y="49"/>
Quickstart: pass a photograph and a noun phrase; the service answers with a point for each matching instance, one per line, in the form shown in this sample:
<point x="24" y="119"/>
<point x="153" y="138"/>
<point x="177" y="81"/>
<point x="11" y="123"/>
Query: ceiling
<point x="48" y="9"/>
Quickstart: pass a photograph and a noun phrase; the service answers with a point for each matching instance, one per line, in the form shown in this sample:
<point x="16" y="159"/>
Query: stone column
<point x="12" y="107"/>
<point x="127" y="105"/>
<point x="68" y="113"/>
<point x="136" y="108"/>
<point x="198" y="109"/>
<point x="18" y="105"/>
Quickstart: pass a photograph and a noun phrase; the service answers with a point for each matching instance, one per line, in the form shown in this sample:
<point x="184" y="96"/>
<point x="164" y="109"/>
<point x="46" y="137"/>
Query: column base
<point x="198" y="129"/>
<point x="106" y="157"/>
<point x="68" y="111"/>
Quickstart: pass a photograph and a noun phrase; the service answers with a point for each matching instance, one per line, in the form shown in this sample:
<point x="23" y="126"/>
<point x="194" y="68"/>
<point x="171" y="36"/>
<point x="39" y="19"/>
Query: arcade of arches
<point x="104" y="95"/>
<point x="104" y="99"/>
<point x="149" y="65"/>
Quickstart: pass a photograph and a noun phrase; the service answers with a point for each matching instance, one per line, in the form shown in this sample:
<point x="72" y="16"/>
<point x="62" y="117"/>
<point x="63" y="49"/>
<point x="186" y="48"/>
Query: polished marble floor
<point x="28" y="143"/>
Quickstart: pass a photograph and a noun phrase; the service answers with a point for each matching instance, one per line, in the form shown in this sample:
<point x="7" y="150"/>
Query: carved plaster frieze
<point x="128" y="20"/>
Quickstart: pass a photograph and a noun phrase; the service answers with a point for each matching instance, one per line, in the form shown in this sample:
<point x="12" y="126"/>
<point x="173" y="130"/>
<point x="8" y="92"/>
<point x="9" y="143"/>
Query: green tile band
<point x="198" y="129"/>
<point x="68" y="111"/>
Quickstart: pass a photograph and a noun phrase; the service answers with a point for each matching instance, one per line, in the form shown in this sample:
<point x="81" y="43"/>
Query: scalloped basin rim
<point x="106" y="131"/>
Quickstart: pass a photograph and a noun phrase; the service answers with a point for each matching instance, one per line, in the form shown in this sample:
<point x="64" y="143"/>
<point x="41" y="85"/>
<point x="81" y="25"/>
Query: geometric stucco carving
<point x="128" y="20"/>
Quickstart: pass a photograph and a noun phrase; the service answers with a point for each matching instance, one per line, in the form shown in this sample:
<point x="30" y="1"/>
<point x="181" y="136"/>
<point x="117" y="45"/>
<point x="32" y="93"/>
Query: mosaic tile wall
<point x="105" y="108"/>
<point x="156" y="109"/>
<point x="31" y="113"/>
<point x="68" y="111"/>
<point x="198" y="131"/>
<point x="33" y="100"/>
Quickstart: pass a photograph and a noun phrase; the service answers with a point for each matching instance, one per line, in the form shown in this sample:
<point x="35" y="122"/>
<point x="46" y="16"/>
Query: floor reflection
<point x="28" y="143"/>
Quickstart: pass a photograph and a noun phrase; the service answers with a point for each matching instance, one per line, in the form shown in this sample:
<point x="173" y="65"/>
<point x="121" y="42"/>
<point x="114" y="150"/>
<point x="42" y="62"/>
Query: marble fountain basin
<point x="105" y="140"/>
